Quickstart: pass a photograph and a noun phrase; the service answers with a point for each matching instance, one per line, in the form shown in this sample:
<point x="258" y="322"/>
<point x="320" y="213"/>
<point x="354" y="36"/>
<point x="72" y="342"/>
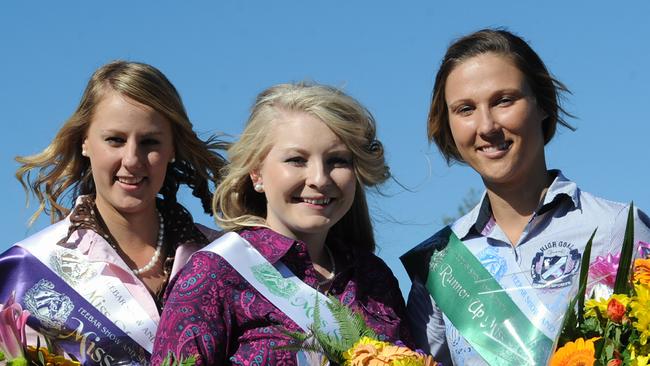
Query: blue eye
<point x="296" y="160"/>
<point x="114" y="140"/>
<point x="339" y="162"/>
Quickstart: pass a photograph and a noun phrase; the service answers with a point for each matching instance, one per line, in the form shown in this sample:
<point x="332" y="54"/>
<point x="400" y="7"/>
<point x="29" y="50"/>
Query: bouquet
<point x="357" y="344"/>
<point x="612" y="327"/>
<point x="13" y="341"/>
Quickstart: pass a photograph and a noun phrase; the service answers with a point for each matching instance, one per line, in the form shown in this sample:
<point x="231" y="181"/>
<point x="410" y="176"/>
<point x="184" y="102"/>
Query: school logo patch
<point x="50" y="307"/>
<point x="555" y="264"/>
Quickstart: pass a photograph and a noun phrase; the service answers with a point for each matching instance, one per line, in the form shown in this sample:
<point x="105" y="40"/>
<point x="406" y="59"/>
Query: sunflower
<point x="578" y="353"/>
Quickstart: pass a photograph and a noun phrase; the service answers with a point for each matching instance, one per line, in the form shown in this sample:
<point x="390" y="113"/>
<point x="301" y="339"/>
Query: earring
<point x="259" y="187"/>
<point x="172" y="161"/>
<point x="84" y="153"/>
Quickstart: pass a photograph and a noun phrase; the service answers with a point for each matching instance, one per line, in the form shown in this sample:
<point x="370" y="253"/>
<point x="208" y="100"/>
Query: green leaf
<point x="574" y="317"/>
<point x="584" y="273"/>
<point x="621" y="285"/>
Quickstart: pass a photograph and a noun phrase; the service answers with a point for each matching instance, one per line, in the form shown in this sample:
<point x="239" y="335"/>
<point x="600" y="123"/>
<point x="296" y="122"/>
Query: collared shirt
<point x="546" y="258"/>
<point x="215" y="315"/>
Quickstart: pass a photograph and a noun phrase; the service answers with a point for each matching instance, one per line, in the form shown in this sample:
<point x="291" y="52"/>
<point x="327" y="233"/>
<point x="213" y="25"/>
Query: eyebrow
<point x="146" y="134"/>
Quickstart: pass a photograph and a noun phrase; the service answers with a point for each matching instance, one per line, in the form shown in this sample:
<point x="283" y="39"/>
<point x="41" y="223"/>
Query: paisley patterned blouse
<point x="216" y="316"/>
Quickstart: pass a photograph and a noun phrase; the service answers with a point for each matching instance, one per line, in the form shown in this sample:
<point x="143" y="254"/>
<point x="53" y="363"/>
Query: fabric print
<point x="555" y="264"/>
<point x="493" y="262"/>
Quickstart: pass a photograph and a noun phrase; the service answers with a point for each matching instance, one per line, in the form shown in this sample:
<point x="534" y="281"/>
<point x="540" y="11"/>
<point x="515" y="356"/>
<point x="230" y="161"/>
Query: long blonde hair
<point x="60" y="169"/>
<point x="237" y="205"/>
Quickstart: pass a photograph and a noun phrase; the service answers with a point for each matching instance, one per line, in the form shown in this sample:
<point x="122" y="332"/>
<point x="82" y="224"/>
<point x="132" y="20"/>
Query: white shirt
<point x="547" y="257"/>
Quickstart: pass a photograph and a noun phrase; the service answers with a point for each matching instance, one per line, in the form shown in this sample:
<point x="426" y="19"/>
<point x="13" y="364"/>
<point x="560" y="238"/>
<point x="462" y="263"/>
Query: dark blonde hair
<point x="60" y="169"/>
<point x="546" y="89"/>
<point x="237" y="205"/>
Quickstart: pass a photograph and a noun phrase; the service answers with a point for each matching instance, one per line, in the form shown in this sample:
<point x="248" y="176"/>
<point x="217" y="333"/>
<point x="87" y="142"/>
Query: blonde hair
<point x="61" y="170"/>
<point x="236" y="204"/>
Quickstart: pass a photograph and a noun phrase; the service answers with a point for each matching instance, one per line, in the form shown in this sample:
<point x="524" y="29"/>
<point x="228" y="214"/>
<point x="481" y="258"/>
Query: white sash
<point x="108" y="294"/>
<point x="276" y="283"/>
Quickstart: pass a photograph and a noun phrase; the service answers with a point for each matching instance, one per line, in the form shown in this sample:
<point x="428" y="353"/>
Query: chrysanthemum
<point x="578" y="353"/>
<point x="642" y="271"/>
<point x="640" y="311"/>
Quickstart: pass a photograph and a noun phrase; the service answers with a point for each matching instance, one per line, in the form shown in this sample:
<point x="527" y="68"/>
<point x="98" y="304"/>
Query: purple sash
<point x="59" y="312"/>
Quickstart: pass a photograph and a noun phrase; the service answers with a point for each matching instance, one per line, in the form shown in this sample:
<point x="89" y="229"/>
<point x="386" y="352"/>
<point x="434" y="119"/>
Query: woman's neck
<point x="133" y="232"/>
<point x="514" y="205"/>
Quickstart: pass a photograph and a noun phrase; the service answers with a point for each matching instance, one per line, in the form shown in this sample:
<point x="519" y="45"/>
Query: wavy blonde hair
<point x="60" y="169"/>
<point x="236" y="204"/>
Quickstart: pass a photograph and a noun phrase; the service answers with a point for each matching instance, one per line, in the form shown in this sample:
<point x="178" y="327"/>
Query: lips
<point x="324" y="201"/>
<point x="130" y="180"/>
<point x="493" y="148"/>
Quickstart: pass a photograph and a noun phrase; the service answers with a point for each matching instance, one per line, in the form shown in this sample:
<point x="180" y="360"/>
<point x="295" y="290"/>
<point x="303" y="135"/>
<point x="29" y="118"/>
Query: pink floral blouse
<point x="216" y="316"/>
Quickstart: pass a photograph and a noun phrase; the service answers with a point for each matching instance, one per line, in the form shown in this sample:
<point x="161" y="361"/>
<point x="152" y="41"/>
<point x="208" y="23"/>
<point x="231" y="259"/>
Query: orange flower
<point x="642" y="270"/>
<point x="615" y="310"/>
<point x="370" y="352"/>
<point x="614" y="362"/>
<point x="578" y="353"/>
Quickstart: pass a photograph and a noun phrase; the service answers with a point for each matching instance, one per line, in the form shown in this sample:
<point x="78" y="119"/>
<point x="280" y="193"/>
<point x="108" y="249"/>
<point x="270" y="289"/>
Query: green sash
<point x="481" y="310"/>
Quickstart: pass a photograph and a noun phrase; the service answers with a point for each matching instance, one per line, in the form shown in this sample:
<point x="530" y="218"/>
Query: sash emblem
<point x="273" y="280"/>
<point x="51" y="308"/>
<point x="71" y="266"/>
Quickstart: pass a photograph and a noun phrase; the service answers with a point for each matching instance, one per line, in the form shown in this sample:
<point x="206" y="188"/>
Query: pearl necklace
<point x="332" y="272"/>
<point x="159" y="244"/>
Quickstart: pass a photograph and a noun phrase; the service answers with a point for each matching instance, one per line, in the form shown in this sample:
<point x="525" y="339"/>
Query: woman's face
<point x="129" y="146"/>
<point x="308" y="177"/>
<point x="495" y="121"/>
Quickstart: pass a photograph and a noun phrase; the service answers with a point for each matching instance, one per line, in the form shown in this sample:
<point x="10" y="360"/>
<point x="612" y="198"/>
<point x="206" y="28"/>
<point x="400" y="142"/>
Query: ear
<point x="256" y="177"/>
<point x="84" y="147"/>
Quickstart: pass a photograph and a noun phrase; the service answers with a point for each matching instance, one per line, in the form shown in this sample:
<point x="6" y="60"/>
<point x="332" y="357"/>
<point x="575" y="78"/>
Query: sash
<point x="68" y="274"/>
<point x="275" y="282"/>
<point x="60" y="313"/>
<point x="481" y="310"/>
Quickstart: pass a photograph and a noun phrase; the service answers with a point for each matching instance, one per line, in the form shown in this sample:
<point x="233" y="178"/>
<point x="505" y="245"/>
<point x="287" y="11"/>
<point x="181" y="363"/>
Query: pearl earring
<point x="84" y="153"/>
<point x="259" y="187"/>
<point x="172" y="161"/>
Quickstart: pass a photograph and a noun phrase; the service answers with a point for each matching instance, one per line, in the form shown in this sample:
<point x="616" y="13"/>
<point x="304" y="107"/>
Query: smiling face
<point x="129" y="146"/>
<point x="495" y="121"/>
<point x="307" y="176"/>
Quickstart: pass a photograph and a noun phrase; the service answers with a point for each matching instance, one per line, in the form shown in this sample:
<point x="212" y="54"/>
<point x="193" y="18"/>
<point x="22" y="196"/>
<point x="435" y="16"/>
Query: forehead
<point x="484" y="73"/>
<point x="301" y="130"/>
<point x="116" y="111"/>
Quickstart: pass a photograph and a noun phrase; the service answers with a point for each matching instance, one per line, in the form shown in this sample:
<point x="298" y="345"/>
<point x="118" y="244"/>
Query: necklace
<point x="329" y="277"/>
<point x="156" y="255"/>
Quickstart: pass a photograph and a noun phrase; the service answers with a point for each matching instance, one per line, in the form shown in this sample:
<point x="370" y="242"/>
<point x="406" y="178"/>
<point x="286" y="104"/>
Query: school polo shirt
<point x="548" y="255"/>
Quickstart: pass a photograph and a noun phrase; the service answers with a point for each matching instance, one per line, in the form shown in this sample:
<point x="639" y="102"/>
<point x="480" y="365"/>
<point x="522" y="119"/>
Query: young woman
<point x="492" y="288"/>
<point x="295" y="192"/>
<point x="93" y="281"/>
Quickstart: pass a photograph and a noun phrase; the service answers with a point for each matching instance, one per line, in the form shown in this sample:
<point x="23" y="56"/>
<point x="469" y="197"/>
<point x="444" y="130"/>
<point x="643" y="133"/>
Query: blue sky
<point x="220" y="54"/>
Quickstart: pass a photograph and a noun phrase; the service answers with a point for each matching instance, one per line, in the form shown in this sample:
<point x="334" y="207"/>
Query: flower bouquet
<point x="13" y="341"/>
<point x="612" y="327"/>
<point x="356" y="345"/>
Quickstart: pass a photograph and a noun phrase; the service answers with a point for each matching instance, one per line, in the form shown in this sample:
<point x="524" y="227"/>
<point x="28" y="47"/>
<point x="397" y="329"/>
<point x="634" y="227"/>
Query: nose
<point x="486" y="123"/>
<point x="318" y="175"/>
<point x="132" y="156"/>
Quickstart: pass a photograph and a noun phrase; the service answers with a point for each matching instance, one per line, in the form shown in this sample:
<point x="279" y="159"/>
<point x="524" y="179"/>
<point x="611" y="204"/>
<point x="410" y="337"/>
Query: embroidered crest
<point x="71" y="266"/>
<point x="273" y="280"/>
<point x="50" y="307"/>
<point x="555" y="264"/>
<point x="493" y="262"/>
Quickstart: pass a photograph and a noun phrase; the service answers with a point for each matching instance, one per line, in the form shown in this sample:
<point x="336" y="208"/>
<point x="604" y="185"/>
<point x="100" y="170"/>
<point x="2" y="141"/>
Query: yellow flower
<point x="578" y="353"/>
<point x="601" y="305"/>
<point x="640" y="311"/>
<point x="642" y="270"/>
<point x="370" y="352"/>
